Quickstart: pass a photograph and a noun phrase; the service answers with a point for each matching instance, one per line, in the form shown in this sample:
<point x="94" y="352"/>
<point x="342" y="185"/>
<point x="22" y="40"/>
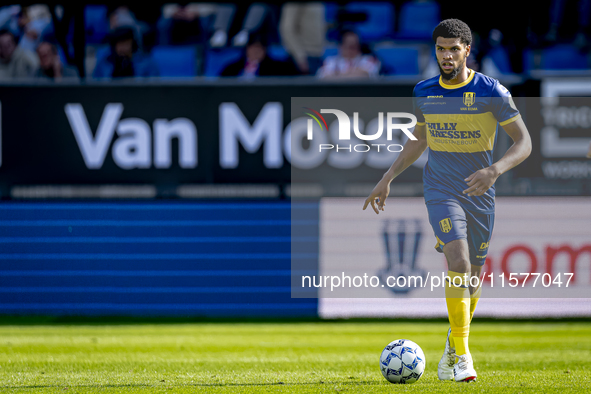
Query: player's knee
<point x="456" y="253"/>
<point x="459" y="264"/>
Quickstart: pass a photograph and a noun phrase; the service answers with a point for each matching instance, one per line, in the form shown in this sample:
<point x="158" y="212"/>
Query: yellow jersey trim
<point x="510" y="120"/>
<point x="439" y="242"/>
<point x="421" y="123"/>
<point x="466" y="82"/>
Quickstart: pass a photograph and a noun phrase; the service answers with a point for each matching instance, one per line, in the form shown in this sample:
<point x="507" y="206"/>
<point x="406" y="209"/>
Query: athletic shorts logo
<point x="445" y="225"/>
<point x="484" y="245"/>
<point x="469" y="98"/>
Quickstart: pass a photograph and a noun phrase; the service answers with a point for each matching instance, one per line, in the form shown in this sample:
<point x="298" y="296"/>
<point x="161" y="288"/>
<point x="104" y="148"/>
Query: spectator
<point x="180" y="24"/>
<point x="10" y="18"/>
<point x="303" y="32"/>
<point x="15" y="62"/>
<point x="350" y="62"/>
<point x="256" y="63"/>
<point x="125" y="60"/>
<point x="51" y="66"/>
<point x="36" y="22"/>
<point x="122" y="16"/>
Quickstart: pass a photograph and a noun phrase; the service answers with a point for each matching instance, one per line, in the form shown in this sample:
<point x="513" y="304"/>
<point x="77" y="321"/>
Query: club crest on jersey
<point x="469" y="98"/>
<point x="445" y="225"/>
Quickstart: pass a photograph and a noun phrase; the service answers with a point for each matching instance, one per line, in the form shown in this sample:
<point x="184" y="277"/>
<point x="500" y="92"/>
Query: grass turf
<point x="312" y="357"/>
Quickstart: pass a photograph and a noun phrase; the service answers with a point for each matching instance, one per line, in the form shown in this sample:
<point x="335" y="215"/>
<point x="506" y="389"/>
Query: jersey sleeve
<point x="503" y="107"/>
<point x="417" y="108"/>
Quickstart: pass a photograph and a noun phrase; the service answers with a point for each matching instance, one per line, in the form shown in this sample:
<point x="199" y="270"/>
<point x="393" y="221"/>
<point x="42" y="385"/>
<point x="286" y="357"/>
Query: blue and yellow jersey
<point x="462" y="123"/>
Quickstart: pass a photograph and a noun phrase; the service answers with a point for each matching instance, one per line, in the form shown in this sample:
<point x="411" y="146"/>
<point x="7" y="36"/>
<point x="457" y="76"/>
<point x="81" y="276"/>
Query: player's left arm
<point x="480" y="181"/>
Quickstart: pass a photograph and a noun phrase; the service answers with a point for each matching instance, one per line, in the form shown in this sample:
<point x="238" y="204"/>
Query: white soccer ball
<point x="402" y="361"/>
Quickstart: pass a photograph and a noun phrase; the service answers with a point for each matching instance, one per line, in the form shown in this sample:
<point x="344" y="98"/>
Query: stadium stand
<point x="96" y="23"/>
<point x="399" y="61"/>
<point x="216" y="60"/>
<point x="278" y="52"/>
<point x="417" y="19"/>
<point x="558" y="57"/>
<point x="176" y="61"/>
<point x="380" y="20"/>
<point x="399" y="31"/>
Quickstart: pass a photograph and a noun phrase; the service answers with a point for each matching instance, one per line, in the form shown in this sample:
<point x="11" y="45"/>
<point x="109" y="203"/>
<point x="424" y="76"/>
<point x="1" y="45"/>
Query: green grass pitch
<point x="306" y="357"/>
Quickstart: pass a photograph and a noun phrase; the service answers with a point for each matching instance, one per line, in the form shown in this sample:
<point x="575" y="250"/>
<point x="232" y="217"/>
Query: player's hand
<point x="378" y="196"/>
<point x="481" y="181"/>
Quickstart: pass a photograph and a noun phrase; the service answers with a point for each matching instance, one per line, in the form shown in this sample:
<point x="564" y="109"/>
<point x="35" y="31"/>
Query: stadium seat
<point x="330" y="12"/>
<point x="331" y="51"/>
<point x="418" y="19"/>
<point x="564" y="57"/>
<point x="176" y="61"/>
<point x="380" y="20"/>
<point x="102" y="52"/>
<point x="216" y="60"/>
<point x="277" y="52"/>
<point x="399" y="61"/>
<point x="330" y="15"/>
<point x="96" y="23"/>
<point x="559" y="57"/>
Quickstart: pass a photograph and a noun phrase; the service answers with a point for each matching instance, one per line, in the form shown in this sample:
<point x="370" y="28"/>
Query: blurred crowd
<point x="329" y="40"/>
<point x="26" y="47"/>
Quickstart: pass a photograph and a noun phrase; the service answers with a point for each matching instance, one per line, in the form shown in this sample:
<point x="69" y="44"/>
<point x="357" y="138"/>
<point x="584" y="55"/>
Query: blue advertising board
<point x="159" y="258"/>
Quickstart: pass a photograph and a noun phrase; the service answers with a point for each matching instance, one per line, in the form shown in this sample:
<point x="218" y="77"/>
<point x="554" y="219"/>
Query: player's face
<point x="451" y="56"/>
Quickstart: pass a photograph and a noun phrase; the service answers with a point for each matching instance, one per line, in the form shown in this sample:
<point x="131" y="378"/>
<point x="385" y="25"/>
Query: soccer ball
<point x="402" y="361"/>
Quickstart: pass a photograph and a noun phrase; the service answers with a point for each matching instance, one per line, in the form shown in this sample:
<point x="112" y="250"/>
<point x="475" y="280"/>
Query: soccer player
<point x="458" y="114"/>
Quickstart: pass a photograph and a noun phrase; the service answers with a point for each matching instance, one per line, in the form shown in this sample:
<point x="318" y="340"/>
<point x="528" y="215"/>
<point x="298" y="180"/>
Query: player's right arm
<point x="410" y="153"/>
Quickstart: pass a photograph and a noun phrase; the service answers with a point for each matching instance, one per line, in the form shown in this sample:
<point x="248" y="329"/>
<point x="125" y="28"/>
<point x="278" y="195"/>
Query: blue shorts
<point x="450" y="222"/>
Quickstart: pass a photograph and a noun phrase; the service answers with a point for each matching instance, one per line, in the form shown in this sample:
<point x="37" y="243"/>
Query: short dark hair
<point x="258" y="38"/>
<point x="453" y="28"/>
<point x="51" y="40"/>
<point x="121" y="33"/>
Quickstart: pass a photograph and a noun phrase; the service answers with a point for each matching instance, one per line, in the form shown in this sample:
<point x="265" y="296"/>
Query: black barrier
<point x="167" y="135"/>
<point x="151" y="134"/>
